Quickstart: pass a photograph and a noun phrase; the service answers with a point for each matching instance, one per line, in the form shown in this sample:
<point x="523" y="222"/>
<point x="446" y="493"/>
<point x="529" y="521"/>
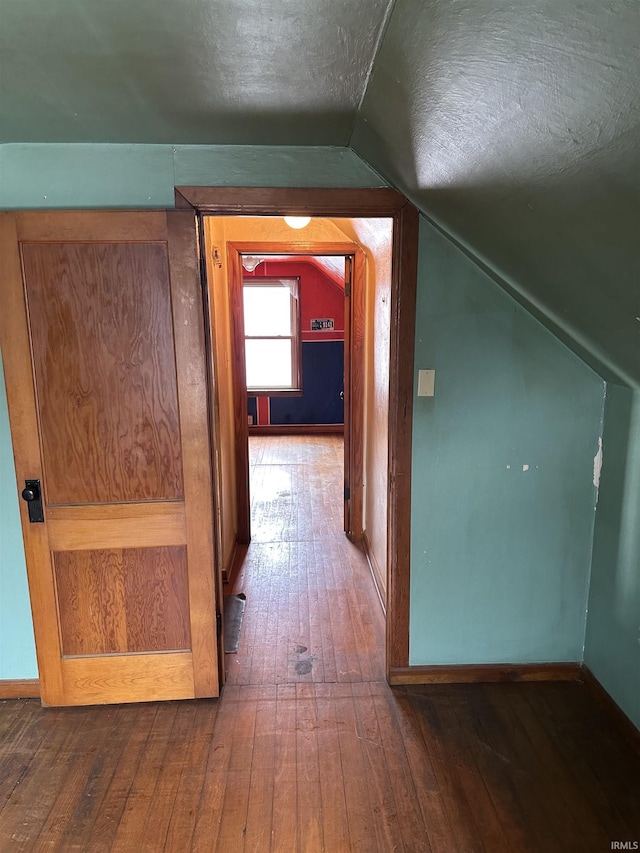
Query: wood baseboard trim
<point x="19" y="688"/>
<point x="296" y="429"/>
<point x="237" y="556"/>
<point x="471" y="673"/>
<point x="374" y="568"/>
<point x="619" y="719"/>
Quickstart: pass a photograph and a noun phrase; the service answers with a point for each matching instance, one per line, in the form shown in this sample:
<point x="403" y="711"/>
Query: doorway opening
<point x="389" y="493"/>
<point x="294" y="309"/>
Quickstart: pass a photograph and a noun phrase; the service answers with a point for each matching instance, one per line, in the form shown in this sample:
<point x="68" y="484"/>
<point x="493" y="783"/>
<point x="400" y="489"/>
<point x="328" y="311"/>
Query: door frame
<point x="354" y="203"/>
<point x="354" y="373"/>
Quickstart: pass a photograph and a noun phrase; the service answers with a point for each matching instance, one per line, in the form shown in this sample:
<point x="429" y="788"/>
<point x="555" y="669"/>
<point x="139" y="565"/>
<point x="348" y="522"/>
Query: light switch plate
<point x="426" y="383"/>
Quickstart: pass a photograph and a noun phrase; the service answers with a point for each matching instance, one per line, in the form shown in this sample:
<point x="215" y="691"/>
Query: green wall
<point x="84" y="175"/>
<point x="102" y="176"/>
<point x="17" y="649"/>
<point x="500" y="556"/>
<point x="505" y="572"/>
<point x="612" y="649"/>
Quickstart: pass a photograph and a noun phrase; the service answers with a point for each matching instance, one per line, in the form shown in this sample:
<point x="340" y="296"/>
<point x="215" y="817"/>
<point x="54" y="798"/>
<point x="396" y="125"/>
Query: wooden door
<point x="103" y="346"/>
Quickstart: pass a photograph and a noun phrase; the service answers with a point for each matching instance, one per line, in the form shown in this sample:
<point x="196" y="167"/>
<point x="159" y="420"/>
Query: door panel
<point x="125" y="600"/>
<point x="112" y="417"/>
<point x="102" y="342"/>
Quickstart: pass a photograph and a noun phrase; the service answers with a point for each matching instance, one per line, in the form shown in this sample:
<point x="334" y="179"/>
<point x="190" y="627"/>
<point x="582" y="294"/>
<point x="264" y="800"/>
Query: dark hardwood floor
<point x="323" y="755"/>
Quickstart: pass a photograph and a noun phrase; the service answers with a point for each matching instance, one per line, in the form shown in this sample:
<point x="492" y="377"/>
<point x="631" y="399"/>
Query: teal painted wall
<point x="92" y="176"/>
<point x="500" y="556"/>
<point x="612" y="649"/>
<point x="75" y="176"/>
<point x="17" y="648"/>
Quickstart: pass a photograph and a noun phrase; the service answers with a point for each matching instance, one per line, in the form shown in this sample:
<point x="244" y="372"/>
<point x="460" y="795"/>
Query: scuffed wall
<point x="503" y="501"/>
<point x="612" y="648"/>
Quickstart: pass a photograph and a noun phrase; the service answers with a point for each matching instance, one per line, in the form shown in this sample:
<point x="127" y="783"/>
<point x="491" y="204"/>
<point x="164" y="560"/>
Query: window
<point x="271" y="335"/>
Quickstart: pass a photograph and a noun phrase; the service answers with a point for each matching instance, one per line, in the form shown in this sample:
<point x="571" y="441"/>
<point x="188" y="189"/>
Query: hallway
<point x="312" y="612"/>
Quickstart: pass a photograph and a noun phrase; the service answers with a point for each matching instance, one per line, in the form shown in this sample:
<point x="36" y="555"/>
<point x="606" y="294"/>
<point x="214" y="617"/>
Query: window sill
<point x="274" y="392"/>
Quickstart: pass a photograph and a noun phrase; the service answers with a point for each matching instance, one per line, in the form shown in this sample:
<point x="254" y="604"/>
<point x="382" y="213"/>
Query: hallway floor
<point x="309" y="749"/>
<point x="312" y="612"/>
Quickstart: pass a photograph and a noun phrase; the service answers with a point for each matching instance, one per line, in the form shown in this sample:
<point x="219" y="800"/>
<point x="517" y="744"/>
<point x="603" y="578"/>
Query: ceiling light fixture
<point x="297" y="221"/>
<point x="250" y="262"/>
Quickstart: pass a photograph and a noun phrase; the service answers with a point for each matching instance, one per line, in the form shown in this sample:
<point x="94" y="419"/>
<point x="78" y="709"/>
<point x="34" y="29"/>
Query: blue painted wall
<point x="500" y="554"/>
<point x="612" y="649"/>
<point x="17" y="648"/>
<point x="322" y="381"/>
<point x="252" y="408"/>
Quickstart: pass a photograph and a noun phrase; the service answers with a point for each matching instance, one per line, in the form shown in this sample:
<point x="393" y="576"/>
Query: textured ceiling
<point x="515" y="127"/>
<point x="185" y="71"/>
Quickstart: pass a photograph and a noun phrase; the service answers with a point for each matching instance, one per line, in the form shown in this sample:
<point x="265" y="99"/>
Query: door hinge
<point x="347" y="288"/>
<point x="203" y="271"/>
<point x="218" y="625"/>
<point x="347" y="493"/>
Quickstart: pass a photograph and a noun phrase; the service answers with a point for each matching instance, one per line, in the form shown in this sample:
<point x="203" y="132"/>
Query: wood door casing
<point x="354" y="369"/>
<point x="113" y="419"/>
<point x="369" y="203"/>
<point x="355" y="358"/>
<point x="348" y="285"/>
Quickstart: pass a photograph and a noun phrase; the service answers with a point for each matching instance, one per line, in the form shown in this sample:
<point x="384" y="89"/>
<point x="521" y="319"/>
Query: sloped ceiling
<point x="185" y="71"/>
<point x="514" y="126"/>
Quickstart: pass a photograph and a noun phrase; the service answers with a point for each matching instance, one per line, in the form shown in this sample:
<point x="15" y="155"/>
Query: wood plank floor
<point x="312" y="612"/>
<point x="324" y="757"/>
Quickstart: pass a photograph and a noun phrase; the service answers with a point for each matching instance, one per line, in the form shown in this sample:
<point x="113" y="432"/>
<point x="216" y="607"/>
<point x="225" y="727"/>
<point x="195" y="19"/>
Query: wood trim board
<point x="376" y="573"/>
<point x="235" y="561"/>
<point x="296" y="429"/>
<point x="404" y="272"/>
<point x="274" y="201"/>
<point x="482" y="672"/>
<point x="19" y="688"/>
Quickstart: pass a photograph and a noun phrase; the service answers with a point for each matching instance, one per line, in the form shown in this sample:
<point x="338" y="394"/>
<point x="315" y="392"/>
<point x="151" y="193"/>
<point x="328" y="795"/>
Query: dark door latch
<point x="33" y="496"/>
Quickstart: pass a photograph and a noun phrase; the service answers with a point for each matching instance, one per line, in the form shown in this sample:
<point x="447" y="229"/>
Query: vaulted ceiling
<point x="513" y="126"/>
